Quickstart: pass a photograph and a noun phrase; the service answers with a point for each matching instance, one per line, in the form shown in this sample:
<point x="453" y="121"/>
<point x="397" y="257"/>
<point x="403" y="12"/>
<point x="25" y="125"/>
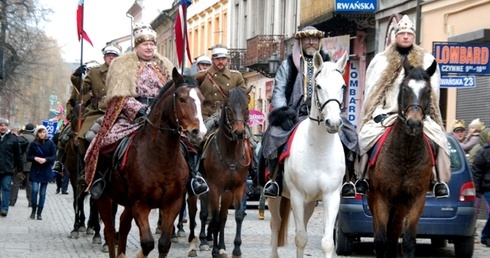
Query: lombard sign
<point x="357" y="6"/>
<point x="462" y="58"/>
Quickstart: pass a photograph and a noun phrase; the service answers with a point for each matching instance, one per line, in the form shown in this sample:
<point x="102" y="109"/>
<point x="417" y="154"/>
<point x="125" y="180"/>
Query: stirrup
<point x="440" y="196"/>
<point x="348" y="194"/>
<point x="360" y="182"/>
<point x="200" y="180"/>
<point x="267" y="185"/>
<point x="97" y="188"/>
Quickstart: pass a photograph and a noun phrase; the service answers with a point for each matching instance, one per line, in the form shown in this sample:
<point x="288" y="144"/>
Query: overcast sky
<point x="104" y="20"/>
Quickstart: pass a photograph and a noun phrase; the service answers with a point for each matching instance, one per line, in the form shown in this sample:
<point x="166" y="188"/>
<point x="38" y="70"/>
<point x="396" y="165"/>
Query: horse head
<point x="328" y="92"/>
<point x="179" y="110"/>
<point x="235" y="113"/>
<point x="414" y="97"/>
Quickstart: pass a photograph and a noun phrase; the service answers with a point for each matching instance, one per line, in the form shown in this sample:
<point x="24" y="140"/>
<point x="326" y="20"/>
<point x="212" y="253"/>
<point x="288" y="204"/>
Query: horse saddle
<point x="119" y="158"/>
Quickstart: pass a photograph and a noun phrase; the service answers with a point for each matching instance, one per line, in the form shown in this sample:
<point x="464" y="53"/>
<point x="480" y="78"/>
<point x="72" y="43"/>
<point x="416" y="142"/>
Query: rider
<point x="291" y="104"/>
<point x="380" y="109"/>
<point x="203" y="63"/>
<point x="93" y="90"/>
<point x="133" y="80"/>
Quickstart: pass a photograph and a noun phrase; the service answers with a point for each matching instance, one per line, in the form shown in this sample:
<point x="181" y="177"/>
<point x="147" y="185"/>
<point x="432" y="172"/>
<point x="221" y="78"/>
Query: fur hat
<point x="459" y="125"/>
<point x="112" y="48"/>
<point x="4" y="121"/>
<point x="405" y="25"/>
<point x="219" y="51"/>
<point x="29" y="127"/>
<point x="477" y="124"/>
<point x="309" y="31"/>
<point x="144" y="32"/>
<point x="39" y="127"/>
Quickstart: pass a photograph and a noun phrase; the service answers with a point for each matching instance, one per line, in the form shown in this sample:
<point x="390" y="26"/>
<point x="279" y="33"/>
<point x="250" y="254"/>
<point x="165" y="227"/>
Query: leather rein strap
<point x="216" y="85"/>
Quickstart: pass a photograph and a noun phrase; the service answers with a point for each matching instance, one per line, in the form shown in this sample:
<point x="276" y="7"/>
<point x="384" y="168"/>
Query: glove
<point x="284" y="117"/>
<point x="80" y="70"/>
<point x="141" y="112"/>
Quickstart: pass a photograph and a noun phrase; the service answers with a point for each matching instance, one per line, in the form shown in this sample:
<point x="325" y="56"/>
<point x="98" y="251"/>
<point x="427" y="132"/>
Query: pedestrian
<point x="22" y="177"/>
<point x="10" y="161"/>
<point x="459" y="130"/>
<point x="291" y="99"/>
<point x="481" y="177"/>
<point x="133" y="81"/>
<point x="383" y="77"/>
<point x="473" y="137"/>
<point x="42" y="154"/>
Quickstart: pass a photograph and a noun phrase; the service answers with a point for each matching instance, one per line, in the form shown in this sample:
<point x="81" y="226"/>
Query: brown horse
<point x="401" y="175"/>
<point x="156" y="171"/>
<point x="73" y="165"/>
<point x="225" y="165"/>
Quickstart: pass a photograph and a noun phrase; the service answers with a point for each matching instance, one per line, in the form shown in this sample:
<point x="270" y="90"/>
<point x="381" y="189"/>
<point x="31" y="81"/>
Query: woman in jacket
<point x="481" y="177"/>
<point x="42" y="154"/>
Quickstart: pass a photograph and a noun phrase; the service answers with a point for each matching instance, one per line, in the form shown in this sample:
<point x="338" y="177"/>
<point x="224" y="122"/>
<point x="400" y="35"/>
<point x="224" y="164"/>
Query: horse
<point x="225" y="164"/>
<point x="73" y="164"/>
<point x="315" y="167"/>
<point x="401" y="175"/>
<point x="156" y="172"/>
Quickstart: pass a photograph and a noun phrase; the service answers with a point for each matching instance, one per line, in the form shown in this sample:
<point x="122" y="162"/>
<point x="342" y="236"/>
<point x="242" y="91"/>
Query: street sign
<point x="255" y="118"/>
<point x="458" y="82"/>
<point x="51" y="127"/>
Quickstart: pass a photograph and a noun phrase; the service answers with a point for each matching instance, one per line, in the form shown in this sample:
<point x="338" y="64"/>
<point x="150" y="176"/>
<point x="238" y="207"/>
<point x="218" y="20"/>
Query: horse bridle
<point x="177" y="130"/>
<point x="321" y="106"/>
<point x="403" y="116"/>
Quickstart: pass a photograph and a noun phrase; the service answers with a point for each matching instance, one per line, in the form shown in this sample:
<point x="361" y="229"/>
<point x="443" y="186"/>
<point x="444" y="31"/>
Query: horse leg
<point x="124" y="228"/>
<point x="410" y="232"/>
<point x="76" y="225"/>
<point x="331" y="204"/>
<point x="275" y="223"/>
<point x="223" y="215"/>
<point x="239" y="215"/>
<point x="140" y="212"/>
<point x="192" y="204"/>
<point x="168" y="218"/>
<point x="180" y="224"/>
<point x="205" y="238"/>
<point x="301" y="238"/>
<point x="105" y="210"/>
<point x="93" y="222"/>
<point x="215" y="219"/>
<point x="380" y="219"/>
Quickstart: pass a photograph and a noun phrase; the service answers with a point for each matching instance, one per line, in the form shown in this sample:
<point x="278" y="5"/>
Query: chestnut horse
<point x="401" y="175"/>
<point x="156" y="172"/>
<point x="316" y="165"/>
<point x="225" y="165"/>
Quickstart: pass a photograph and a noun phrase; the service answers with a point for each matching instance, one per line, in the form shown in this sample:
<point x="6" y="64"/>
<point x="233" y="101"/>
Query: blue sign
<point x="51" y="127"/>
<point x="355" y="6"/>
<point x="462" y="58"/>
<point x="458" y="82"/>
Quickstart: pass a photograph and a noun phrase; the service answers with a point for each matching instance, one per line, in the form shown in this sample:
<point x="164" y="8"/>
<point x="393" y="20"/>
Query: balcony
<point x="237" y="59"/>
<point x="260" y="49"/>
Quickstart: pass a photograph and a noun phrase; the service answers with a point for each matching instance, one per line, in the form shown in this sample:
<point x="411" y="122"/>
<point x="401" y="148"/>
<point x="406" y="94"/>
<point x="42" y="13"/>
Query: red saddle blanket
<point x="286" y="151"/>
<point x="377" y="147"/>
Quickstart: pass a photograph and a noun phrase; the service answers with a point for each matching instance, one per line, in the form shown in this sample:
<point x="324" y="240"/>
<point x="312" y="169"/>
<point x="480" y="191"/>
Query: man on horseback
<point x="133" y="81"/>
<point x="94" y="91"/>
<point x="384" y="74"/>
<point x="290" y="101"/>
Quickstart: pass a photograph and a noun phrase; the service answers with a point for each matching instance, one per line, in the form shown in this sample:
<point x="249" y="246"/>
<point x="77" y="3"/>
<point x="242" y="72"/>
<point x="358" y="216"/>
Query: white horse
<point x="315" y="168"/>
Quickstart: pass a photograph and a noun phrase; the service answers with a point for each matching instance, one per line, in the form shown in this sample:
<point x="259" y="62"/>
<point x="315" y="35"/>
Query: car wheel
<point x="344" y="244"/>
<point x="438" y="242"/>
<point x="464" y="246"/>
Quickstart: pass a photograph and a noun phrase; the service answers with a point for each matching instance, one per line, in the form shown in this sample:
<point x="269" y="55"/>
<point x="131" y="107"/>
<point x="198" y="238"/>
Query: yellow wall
<point x="312" y="9"/>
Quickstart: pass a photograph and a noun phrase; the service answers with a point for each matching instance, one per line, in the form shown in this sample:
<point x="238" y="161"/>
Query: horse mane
<point x="184" y="81"/>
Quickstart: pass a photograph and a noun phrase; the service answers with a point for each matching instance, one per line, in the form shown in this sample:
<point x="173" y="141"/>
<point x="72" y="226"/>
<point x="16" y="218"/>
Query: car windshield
<point x="456" y="158"/>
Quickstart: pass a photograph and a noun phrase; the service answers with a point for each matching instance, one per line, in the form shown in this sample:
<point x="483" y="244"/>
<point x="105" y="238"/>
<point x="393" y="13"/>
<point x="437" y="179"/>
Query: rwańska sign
<point x="358" y="6"/>
<point x="462" y="58"/>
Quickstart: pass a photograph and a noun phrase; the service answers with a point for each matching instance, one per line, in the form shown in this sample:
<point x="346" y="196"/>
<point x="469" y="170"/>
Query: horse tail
<point x="284" y="210"/>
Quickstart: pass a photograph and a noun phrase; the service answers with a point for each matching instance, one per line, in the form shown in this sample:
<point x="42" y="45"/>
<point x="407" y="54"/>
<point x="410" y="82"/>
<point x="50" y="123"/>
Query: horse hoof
<point x="174" y="239"/>
<point x="223" y="254"/>
<point x="181" y="233"/>
<point x="74" y="235"/>
<point x="204" y="248"/>
<point x="105" y="248"/>
<point x="96" y="240"/>
<point x="82" y="229"/>
<point x="192" y="253"/>
<point x="90" y="231"/>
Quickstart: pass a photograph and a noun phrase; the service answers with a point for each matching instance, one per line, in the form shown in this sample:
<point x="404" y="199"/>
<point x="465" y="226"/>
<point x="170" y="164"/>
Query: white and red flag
<point x="181" y="39"/>
<point x="81" y="33"/>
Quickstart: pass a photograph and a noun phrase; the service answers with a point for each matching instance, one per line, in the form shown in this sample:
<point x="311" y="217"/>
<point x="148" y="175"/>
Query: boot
<point x="362" y="186"/>
<point x="33" y="213"/>
<point x="197" y="183"/>
<point x="441" y="190"/>
<point x="348" y="190"/>
<point x="98" y="185"/>
<point x="261" y="214"/>
<point x="272" y="188"/>
<point x="39" y="211"/>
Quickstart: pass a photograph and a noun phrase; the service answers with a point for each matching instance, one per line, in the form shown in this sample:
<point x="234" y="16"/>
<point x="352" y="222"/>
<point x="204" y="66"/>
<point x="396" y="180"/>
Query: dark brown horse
<point x="73" y="165"/>
<point x="156" y="171"/>
<point x="225" y="165"/>
<point x="401" y="176"/>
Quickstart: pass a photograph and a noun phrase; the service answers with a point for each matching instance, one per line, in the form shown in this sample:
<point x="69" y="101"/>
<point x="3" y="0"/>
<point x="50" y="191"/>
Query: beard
<point x="309" y="51"/>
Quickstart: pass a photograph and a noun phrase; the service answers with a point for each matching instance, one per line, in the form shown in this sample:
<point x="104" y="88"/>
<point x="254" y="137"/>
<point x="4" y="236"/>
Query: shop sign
<point x="355" y="6"/>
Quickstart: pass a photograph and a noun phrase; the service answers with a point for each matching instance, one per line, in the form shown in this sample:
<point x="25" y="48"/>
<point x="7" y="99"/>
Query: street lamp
<point x="273" y="63"/>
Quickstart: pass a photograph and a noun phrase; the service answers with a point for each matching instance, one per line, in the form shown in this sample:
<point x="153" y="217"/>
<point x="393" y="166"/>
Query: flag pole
<point x="184" y="36"/>
<point x="80" y="81"/>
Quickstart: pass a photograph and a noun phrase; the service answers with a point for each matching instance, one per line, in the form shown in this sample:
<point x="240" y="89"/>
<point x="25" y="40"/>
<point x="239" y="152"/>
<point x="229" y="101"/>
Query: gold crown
<point x="144" y="32"/>
<point x="405" y="25"/>
<point x="458" y="124"/>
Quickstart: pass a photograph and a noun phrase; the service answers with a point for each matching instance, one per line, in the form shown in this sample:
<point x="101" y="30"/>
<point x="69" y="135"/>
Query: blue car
<point x="450" y="219"/>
